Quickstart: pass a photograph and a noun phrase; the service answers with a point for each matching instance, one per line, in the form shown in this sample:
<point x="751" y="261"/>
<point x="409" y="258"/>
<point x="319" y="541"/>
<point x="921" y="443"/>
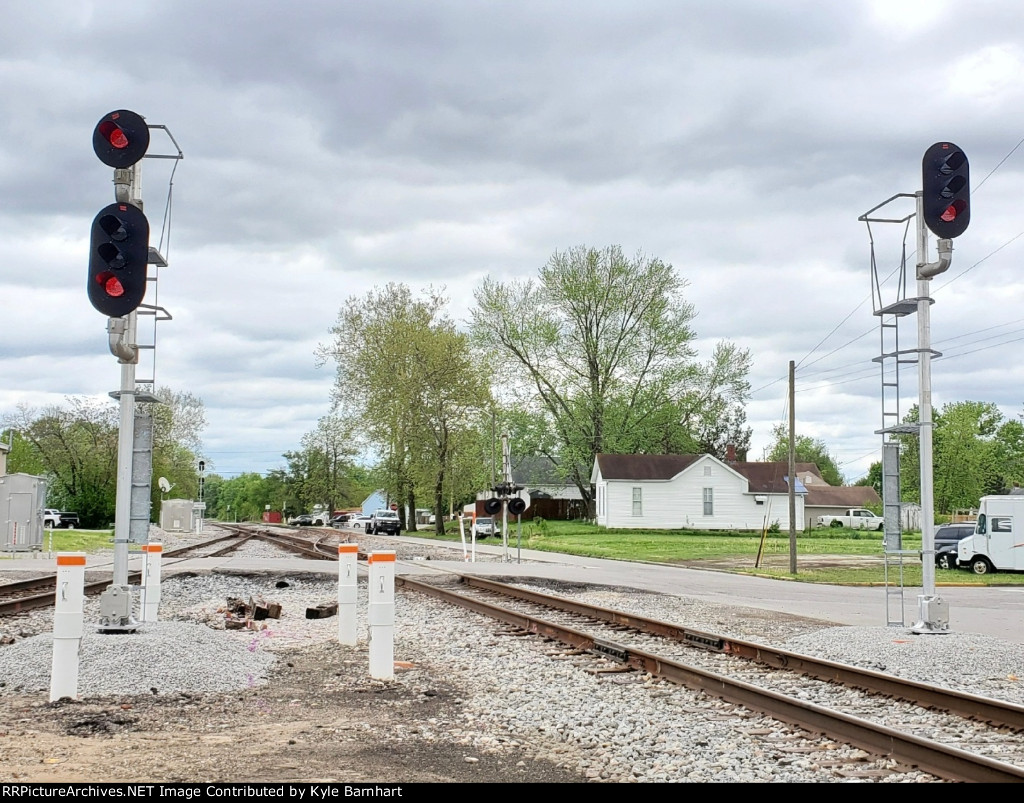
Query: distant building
<point x="378" y="500"/>
<point x="700" y="492"/>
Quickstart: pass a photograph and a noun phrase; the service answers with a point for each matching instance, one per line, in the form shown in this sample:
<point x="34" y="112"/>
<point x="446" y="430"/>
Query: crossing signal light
<point x="492" y="507"/>
<point x="118" y="258"/>
<point x="946" y="190"/>
<point x="516" y="506"/>
<point x="120" y="139"/>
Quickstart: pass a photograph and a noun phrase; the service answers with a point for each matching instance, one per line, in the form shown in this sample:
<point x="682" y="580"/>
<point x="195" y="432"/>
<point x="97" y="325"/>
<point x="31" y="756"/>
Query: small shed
<point x="22" y="499"/>
<point x="176" y="515"/>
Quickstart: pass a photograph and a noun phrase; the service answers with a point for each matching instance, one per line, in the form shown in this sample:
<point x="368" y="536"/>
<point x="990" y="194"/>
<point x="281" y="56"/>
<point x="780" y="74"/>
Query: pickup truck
<point x="383" y="521"/>
<point x="855" y="518"/>
<point x="53" y="519"/>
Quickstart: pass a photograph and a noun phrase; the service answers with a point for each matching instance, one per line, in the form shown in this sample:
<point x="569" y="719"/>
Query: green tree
<point x="76" y="445"/>
<point x="873" y="479"/>
<point x="964" y="451"/>
<point x="974" y="452"/>
<point x="1008" y="455"/>
<point x="178" y="424"/>
<point x="407" y="377"/>
<point x="808" y="450"/>
<point x="604" y="349"/>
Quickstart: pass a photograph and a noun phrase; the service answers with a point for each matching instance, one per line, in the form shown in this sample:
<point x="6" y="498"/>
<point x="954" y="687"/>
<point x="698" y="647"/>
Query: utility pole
<point x="792" y="467"/>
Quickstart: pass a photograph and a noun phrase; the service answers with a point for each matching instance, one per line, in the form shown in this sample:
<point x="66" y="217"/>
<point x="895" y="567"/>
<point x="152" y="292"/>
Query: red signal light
<point x="952" y="211"/>
<point x="113" y="134"/>
<point x="111" y="285"/>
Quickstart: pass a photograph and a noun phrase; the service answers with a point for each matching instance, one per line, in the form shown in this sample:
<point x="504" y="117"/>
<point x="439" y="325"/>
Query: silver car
<point x="359" y="522"/>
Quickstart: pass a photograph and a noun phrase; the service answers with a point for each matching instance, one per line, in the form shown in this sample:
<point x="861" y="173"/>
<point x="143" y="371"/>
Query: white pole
<point x="151" y="562"/>
<point x="381" y="615"/>
<point x="933" y="611"/>
<point x="347" y="591"/>
<point x="68" y="618"/>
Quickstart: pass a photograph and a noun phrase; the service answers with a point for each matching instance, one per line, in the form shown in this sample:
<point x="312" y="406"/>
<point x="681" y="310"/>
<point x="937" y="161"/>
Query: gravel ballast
<point x="515" y="693"/>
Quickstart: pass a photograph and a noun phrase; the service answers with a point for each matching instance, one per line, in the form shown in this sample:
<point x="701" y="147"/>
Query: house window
<point x="638" y="502"/>
<point x="709" y="501"/>
<point x="707" y="471"/>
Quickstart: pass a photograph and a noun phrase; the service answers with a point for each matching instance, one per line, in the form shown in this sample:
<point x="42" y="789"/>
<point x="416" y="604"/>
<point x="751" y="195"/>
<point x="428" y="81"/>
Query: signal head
<point x="946" y="190"/>
<point x="121" y="138"/>
<point x="118" y="259"/>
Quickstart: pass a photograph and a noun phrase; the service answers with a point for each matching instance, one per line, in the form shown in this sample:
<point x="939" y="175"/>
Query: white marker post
<point x="462" y="537"/>
<point x="347" y="556"/>
<point x="151" y="559"/>
<point x="68" y="617"/>
<point x="381" y="615"/>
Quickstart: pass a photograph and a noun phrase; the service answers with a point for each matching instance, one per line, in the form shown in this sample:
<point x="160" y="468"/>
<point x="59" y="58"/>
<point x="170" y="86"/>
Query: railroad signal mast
<point x="944" y="208"/>
<point x="118" y="277"/>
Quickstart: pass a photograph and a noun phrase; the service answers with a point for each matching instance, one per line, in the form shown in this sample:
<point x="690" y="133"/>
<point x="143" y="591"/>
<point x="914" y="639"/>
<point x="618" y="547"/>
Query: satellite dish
<point x="165" y="486"/>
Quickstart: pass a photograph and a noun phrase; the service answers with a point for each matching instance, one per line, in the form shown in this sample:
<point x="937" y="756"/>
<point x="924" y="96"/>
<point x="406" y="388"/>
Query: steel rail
<point x="45" y="599"/>
<point x="933" y="757"/>
<point x="965" y="704"/>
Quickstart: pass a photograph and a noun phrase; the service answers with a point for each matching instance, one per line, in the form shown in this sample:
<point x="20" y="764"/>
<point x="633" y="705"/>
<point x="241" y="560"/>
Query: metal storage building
<point x="22" y="499"/>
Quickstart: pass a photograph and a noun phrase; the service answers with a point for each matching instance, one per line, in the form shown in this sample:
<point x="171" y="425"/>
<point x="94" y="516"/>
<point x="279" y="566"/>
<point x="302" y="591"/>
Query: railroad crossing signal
<point x="120" y="139"/>
<point x="118" y="256"/>
<point x="946" y="190"/>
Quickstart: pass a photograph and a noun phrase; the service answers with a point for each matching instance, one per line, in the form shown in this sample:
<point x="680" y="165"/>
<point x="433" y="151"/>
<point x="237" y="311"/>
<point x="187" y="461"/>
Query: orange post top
<point x="152" y="547"/>
<point x="348" y="548"/>
<point x="71" y="560"/>
<point x="381" y="557"/>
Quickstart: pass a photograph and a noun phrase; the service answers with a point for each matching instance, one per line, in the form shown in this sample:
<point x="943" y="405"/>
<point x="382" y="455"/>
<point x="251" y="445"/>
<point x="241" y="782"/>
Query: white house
<point x="700" y="492"/>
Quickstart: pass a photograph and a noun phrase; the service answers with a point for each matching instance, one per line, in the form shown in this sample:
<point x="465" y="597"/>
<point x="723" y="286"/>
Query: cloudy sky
<point x="333" y="146"/>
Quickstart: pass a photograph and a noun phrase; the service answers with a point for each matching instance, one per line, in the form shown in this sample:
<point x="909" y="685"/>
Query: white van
<point x="998" y="540"/>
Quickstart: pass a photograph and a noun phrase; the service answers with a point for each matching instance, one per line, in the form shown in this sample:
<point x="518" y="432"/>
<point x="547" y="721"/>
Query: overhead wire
<point x="858" y="306"/>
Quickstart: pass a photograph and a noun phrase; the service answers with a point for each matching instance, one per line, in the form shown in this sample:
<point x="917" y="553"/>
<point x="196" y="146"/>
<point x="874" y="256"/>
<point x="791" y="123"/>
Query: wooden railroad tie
<point x="324" y="611"/>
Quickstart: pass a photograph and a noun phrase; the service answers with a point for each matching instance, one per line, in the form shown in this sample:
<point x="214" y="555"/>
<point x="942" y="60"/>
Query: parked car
<point x="340" y="520"/>
<point x="486" y="526"/>
<point x="947" y="538"/>
<point x="305" y="520"/>
<point x="359" y="522"/>
<point x="54" y="519"/>
<point x="384" y="521"/>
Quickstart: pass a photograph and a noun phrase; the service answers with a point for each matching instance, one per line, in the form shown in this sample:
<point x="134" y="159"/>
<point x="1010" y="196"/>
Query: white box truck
<point x="998" y="540"/>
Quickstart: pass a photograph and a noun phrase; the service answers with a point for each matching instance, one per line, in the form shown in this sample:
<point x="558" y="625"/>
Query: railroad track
<point x="38" y="592"/>
<point x="630" y="641"/>
<point x="748" y="674"/>
<point x="710" y="663"/>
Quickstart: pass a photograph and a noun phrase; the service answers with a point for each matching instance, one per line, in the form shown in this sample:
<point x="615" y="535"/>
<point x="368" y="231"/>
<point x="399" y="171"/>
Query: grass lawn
<point x="78" y="540"/>
<point x="737" y="551"/>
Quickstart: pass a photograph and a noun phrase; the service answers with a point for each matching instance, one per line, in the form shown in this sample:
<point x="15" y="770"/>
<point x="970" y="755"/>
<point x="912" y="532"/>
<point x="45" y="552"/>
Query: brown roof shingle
<point x="644" y="466"/>
<point x="846" y="496"/>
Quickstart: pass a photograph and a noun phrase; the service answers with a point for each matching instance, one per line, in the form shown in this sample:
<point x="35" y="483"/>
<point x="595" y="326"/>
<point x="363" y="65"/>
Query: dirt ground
<point x="304" y="726"/>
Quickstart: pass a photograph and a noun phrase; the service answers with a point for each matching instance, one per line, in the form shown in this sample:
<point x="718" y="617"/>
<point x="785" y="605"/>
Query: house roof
<point x="845" y="496"/>
<point x="810" y="468"/>
<point x="766" y="477"/>
<point x="644" y="466"/>
<point x="761" y="477"/>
